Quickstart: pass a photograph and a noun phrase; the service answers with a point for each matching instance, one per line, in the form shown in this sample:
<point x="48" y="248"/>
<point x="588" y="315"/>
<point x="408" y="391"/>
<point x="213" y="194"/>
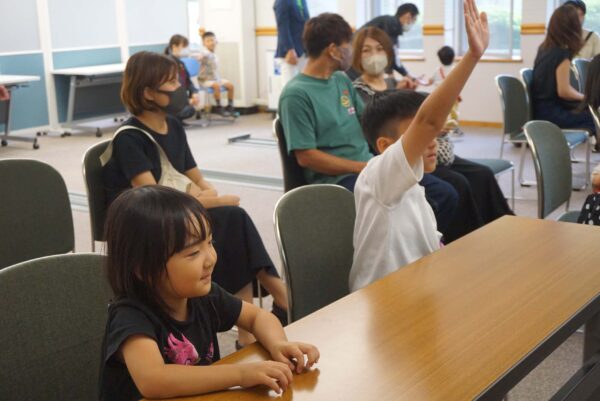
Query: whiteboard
<point x="83" y="23"/>
<point x="18" y="26"/>
<point x="155" y="21"/>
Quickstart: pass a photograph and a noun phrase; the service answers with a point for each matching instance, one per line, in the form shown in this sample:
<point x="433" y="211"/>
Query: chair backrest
<point x="527" y="77"/>
<point x="293" y="174"/>
<point x="94" y="186"/>
<point x="314" y="226"/>
<point x="53" y="315"/>
<point x="596" y="116"/>
<point x="515" y="104"/>
<point x="552" y="160"/>
<point x="35" y="213"/>
<point x="582" y="65"/>
<point x="191" y="65"/>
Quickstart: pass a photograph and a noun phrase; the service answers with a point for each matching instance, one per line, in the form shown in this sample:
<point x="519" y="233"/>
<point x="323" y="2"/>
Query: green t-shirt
<point x="323" y="114"/>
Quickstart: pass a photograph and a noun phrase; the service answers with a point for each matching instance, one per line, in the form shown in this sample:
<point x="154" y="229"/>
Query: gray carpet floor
<point x="213" y="152"/>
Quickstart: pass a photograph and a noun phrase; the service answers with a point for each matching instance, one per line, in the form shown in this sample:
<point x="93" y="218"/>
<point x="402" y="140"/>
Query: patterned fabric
<point x="445" y="154"/>
<point x="590" y="213"/>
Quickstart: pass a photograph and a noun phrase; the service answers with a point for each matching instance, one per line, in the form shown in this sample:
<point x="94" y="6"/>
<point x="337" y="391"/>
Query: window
<point x="316" y="7"/>
<point x="592" y="17"/>
<point x="411" y="42"/>
<point x="504" y="18"/>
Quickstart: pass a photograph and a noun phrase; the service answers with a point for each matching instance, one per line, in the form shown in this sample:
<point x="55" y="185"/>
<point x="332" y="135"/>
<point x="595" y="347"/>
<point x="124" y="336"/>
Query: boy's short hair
<point x="386" y="108"/>
<point x="323" y="30"/>
<point x="145" y="70"/>
<point x="446" y="55"/>
<point x="208" y="34"/>
<point x="407" y="8"/>
<point x="577" y="4"/>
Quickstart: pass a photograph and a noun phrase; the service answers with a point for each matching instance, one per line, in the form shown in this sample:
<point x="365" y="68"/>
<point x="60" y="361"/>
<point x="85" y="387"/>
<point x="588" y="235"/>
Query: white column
<point x="46" y="46"/>
<point x="122" y="29"/>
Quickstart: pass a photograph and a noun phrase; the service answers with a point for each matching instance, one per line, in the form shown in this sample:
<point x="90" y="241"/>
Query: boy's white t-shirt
<point x="394" y="223"/>
<point x="439" y="75"/>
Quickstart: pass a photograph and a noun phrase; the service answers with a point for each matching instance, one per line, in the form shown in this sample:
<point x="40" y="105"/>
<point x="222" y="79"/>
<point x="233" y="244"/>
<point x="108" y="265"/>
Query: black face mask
<point x="178" y="100"/>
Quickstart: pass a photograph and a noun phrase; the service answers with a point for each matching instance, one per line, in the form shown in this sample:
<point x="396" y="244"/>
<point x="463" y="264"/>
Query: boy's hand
<point x="478" y="32"/>
<point x="275" y="375"/>
<point x="287" y="352"/>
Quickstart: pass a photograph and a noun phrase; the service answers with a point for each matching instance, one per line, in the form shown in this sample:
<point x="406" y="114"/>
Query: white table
<point x="81" y="77"/>
<point x="11" y="82"/>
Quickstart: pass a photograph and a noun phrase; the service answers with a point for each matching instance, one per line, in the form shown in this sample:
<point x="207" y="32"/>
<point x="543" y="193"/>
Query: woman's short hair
<point x="359" y="40"/>
<point x="145" y="70"/>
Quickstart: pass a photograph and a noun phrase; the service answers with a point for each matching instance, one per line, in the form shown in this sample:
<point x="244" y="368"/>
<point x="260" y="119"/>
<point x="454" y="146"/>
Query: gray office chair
<point x="94" y="187"/>
<point x="53" y="315"/>
<point x="581" y="66"/>
<point x="499" y="167"/>
<point x="293" y="174"/>
<point x="314" y="226"/>
<point x="35" y="213"/>
<point x="574" y="136"/>
<point x="552" y="161"/>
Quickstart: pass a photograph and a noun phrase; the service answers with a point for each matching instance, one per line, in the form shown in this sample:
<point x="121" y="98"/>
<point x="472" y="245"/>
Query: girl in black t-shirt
<point x="553" y="97"/>
<point x="152" y="93"/>
<point x="167" y="311"/>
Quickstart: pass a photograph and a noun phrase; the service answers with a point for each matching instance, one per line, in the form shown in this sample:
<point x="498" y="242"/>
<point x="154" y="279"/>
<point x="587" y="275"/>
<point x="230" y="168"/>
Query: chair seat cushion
<point x="496" y="165"/>
<point x="575" y="137"/>
<point x="570" y="217"/>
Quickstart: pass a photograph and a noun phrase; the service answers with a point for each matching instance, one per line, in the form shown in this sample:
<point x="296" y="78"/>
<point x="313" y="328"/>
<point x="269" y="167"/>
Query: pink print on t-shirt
<point x="181" y="352"/>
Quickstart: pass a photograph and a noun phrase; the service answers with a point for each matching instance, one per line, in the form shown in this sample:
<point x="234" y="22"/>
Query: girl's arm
<point x="155" y="379"/>
<point x="196" y="176"/>
<point x="268" y="331"/>
<point x="432" y="115"/>
<point x="563" y="82"/>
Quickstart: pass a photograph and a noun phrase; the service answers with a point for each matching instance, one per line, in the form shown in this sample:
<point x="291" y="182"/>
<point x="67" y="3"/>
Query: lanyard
<point x="300" y="7"/>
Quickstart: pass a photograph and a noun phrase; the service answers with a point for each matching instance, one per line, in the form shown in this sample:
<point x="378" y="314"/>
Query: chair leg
<point x="512" y="188"/>
<point x="522" y="168"/>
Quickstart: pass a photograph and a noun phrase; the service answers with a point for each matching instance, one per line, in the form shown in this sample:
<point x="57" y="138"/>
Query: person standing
<point x="291" y="15"/>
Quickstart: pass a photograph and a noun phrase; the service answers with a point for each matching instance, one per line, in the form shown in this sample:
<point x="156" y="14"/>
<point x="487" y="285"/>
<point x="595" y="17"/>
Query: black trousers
<point x="241" y="253"/>
<point x="480" y="198"/>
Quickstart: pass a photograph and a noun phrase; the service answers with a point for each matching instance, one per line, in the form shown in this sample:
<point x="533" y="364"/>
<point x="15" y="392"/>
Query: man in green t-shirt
<point x="320" y="110"/>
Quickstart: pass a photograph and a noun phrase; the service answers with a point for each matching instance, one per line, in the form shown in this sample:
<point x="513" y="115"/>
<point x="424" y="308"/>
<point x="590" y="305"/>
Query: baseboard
<point x="484" y="124"/>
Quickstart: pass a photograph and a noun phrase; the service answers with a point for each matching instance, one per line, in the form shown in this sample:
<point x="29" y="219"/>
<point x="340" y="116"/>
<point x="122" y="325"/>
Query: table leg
<point x="5" y="137"/>
<point x="70" y="105"/>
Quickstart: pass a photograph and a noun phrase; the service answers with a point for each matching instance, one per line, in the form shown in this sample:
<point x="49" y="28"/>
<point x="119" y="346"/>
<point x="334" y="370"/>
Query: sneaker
<point x="230" y="109"/>
<point x="457" y="132"/>
<point x="217" y="110"/>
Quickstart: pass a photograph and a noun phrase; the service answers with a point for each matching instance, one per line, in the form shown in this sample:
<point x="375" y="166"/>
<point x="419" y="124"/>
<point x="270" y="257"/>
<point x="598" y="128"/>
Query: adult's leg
<point x="565" y="118"/>
<point x="488" y="196"/>
<point x="443" y="199"/>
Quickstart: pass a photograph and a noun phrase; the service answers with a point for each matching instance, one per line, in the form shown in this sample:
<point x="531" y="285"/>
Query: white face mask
<point x="185" y="52"/>
<point x="375" y="65"/>
<point x="406" y="28"/>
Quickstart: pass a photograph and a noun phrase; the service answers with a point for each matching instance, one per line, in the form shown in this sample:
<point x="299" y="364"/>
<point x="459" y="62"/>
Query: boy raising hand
<point x="394" y="223"/>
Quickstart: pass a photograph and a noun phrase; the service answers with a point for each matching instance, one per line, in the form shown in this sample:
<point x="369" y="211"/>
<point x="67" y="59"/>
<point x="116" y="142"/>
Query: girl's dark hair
<point x="323" y="30"/>
<point x="144" y="227"/>
<point x="386" y="108"/>
<point x="208" y="34"/>
<point x="176" y="40"/>
<point x="592" y="84"/>
<point x="564" y="31"/>
<point x="145" y="70"/>
<point x="379" y="36"/>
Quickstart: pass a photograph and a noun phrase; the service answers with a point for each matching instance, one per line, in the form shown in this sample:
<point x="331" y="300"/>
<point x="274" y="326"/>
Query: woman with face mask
<point x="151" y="148"/>
<point x="373" y="54"/>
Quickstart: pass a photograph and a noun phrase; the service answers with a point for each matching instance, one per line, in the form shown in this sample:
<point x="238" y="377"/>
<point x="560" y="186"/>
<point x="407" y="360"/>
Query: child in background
<point x="167" y="311"/>
<point x="446" y="55"/>
<point x="209" y="75"/>
<point x="394" y="223"/>
<point x="178" y="48"/>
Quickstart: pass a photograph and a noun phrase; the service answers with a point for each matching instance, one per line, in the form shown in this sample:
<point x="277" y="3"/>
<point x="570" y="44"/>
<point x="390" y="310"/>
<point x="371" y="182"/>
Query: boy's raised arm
<point x="432" y="115"/>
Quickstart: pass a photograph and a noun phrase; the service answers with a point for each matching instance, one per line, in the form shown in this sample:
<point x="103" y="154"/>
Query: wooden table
<point x="467" y="322"/>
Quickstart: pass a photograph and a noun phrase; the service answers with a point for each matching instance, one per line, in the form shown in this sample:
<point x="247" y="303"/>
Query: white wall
<point x="155" y="21"/>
